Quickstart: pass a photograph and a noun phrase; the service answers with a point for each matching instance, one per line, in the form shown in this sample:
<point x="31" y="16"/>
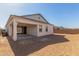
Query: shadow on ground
<point x="38" y="43"/>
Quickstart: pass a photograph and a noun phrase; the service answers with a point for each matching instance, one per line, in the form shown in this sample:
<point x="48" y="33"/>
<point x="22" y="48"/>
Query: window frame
<point x="40" y="28"/>
<point x="46" y="29"/>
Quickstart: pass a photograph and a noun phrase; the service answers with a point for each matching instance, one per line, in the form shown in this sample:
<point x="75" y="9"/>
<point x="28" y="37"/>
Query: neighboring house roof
<point x="32" y="17"/>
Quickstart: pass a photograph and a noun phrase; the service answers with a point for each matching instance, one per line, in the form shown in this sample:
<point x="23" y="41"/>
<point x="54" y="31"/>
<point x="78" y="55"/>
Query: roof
<point x="27" y="17"/>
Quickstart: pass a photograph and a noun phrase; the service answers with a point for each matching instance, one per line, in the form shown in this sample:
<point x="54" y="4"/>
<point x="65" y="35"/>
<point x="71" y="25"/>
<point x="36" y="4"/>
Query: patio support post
<point x="14" y="30"/>
<point x="37" y="30"/>
<point x="9" y="28"/>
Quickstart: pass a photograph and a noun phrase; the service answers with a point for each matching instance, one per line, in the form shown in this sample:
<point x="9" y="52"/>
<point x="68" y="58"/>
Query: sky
<point x="63" y="14"/>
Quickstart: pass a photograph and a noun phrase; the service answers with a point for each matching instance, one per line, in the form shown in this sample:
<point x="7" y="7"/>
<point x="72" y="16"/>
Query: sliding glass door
<point x="22" y="30"/>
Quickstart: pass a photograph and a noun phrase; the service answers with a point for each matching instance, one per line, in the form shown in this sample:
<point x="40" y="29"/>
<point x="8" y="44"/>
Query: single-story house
<point x="35" y="25"/>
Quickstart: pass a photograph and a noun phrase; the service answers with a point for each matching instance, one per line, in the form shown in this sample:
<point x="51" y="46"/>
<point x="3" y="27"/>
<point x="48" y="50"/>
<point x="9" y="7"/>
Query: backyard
<point x="50" y="45"/>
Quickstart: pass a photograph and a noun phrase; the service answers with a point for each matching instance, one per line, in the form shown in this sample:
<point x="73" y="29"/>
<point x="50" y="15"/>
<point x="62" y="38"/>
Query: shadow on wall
<point x="37" y="44"/>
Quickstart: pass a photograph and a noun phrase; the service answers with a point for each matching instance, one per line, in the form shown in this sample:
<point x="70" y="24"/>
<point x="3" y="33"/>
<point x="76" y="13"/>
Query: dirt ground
<point x="5" y="48"/>
<point x="52" y="45"/>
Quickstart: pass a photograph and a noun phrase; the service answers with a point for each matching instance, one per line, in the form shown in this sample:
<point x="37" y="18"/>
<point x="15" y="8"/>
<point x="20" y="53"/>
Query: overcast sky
<point x="66" y="15"/>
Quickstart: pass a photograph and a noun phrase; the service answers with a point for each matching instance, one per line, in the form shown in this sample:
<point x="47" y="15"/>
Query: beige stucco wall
<point x="50" y="30"/>
<point x="9" y="30"/>
<point x="33" y="30"/>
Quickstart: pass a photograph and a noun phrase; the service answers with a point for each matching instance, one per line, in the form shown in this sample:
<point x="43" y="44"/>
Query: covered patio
<point x="20" y="30"/>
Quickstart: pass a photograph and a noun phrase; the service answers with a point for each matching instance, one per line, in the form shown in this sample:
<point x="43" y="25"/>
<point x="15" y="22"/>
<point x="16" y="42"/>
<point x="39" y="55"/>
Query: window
<point x="46" y="29"/>
<point x="19" y="30"/>
<point x="40" y="28"/>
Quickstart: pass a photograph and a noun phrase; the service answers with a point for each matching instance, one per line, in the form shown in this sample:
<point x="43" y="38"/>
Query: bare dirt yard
<point x="51" y="45"/>
<point x="5" y="48"/>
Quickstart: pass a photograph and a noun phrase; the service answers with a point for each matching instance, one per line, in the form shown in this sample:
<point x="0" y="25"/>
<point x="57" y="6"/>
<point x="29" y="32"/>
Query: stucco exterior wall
<point x="50" y="30"/>
<point x="9" y="30"/>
